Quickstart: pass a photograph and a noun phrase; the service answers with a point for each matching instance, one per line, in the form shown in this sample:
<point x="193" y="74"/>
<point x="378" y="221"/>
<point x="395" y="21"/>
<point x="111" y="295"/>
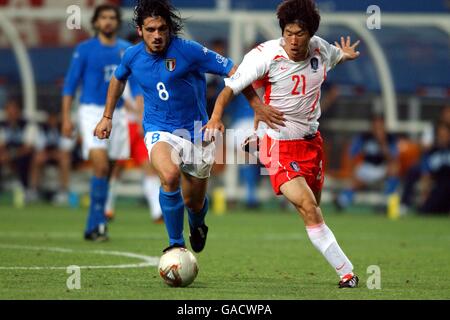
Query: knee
<point x="312" y="213"/>
<point x="170" y="180"/>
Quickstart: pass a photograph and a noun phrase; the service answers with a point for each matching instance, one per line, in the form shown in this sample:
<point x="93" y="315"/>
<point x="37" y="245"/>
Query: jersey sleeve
<point x="123" y="71"/>
<point x="330" y="53"/>
<point x="75" y="71"/>
<point x="254" y="67"/>
<point x="207" y="60"/>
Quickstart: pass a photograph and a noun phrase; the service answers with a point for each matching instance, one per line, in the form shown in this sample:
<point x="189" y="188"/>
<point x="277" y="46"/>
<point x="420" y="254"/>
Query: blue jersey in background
<point x="94" y="63"/>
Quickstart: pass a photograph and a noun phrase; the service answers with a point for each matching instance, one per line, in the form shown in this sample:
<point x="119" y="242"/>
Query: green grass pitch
<point x="249" y="255"/>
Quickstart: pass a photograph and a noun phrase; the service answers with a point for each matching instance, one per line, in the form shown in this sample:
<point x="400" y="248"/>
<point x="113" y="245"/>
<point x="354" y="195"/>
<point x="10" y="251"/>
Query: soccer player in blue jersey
<point x="93" y="64"/>
<point x="171" y="72"/>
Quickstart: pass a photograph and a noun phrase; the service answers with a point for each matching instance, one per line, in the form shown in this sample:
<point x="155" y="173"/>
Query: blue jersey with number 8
<point x="173" y="83"/>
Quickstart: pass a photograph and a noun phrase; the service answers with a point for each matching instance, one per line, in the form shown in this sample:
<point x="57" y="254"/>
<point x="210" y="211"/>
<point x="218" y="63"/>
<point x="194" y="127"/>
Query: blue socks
<point x="172" y="207"/>
<point x="196" y="219"/>
<point x="99" y="191"/>
<point x="391" y="185"/>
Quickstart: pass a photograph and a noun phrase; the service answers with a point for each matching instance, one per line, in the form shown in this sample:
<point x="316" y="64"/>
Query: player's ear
<point x="139" y="30"/>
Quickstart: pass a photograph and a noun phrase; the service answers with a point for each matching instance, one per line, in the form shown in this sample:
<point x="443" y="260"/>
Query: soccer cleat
<point x="349" y="281"/>
<point x="175" y="245"/>
<point x="198" y="237"/>
<point x="99" y="234"/>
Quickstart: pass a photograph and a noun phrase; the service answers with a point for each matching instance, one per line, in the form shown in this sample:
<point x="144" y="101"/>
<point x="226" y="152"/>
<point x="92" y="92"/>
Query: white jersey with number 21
<point x="290" y="87"/>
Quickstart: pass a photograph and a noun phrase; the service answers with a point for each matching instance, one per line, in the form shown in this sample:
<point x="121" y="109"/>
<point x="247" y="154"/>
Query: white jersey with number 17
<point x="290" y="87"/>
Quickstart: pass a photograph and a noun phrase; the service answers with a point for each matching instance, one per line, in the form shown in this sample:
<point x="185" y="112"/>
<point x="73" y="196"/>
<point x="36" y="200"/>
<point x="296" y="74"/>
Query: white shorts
<point x="194" y="160"/>
<point x="118" y="144"/>
<point x="369" y="173"/>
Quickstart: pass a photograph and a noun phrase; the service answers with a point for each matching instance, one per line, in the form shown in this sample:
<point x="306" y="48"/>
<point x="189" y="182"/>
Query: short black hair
<point x="106" y="7"/>
<point x="302" y="12"/>
<point x="158" y="8"/>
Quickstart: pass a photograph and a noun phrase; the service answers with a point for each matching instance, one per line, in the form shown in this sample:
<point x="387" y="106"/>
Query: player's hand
<point x="67" y="128"/>
<point x="103" y="128"/>
<point x="268" y="114"/>
<point x="213" y="128"/>
<point x="349" y="49"/>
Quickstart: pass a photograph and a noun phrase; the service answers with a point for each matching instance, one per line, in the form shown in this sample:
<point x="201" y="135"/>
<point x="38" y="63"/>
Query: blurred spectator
<point x="16" y="143"/>
<point x="379" y="162"/>
<point x="241" y="122"/>
<point x="435" y="181"/>
<point x="51" y="149"/>
<point x="414" y="173"/>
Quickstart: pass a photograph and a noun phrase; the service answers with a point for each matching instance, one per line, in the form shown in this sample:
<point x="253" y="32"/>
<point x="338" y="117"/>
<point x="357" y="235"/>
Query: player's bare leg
<point x="195" y="200"/>
<point x="306" y="202"/>
<point x="170" y="197"/>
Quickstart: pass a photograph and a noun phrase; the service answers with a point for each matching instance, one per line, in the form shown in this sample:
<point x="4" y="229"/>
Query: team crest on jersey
<point x="171" y="64"/>
<point x="294" y="165"/>
<point x="314" y="64"/>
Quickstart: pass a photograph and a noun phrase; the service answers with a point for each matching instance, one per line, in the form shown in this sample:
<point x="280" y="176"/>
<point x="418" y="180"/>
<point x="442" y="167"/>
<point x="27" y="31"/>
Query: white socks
<point x="112" y="193"/>
<point x="151" y="190"/>
<point x="323" y="239"/>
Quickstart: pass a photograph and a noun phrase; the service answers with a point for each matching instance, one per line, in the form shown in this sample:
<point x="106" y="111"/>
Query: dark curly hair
<point x="303" y="12"/>
<point x="106" y="7"/>
<point x="155" y="8"/>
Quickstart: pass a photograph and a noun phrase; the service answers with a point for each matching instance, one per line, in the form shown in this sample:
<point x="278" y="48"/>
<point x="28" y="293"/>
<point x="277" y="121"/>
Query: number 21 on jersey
<point x="297" y="79"/>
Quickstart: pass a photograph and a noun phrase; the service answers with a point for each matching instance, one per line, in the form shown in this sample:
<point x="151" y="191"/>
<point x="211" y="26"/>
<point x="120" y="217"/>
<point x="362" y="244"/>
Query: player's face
<point x="296" y="41"/>
<point x="107" y="23"/>
<point x="156" y="34"/>
<point x="12" y="112"/>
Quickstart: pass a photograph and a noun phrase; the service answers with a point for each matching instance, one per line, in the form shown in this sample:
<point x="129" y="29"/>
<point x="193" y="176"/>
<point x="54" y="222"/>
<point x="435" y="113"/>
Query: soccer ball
<point x="178" y="267"/>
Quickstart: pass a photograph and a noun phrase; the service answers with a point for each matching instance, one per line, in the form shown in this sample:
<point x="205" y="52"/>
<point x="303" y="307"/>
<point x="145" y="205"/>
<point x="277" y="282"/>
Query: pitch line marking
<point x="147" y="261"/>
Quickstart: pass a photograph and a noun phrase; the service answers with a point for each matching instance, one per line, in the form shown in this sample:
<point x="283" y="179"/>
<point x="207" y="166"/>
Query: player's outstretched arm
<point x="348" y="49"/>
<point x="263" y="112"/>
<point x="115" y="90"/>
<point x="215" y="124"/>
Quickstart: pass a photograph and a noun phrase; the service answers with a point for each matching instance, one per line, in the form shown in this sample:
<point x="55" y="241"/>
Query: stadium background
<point x="402" y="73"/>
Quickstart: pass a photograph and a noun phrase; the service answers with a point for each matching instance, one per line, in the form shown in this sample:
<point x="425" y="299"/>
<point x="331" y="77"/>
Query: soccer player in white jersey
<point x="291" y="70"/>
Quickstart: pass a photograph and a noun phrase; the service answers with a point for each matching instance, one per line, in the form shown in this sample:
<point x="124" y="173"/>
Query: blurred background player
<point x="414" y="174"/>
<point x="51" y="148"/>
<point x="293" y="68"/>
<point x="17" y="138"/>
<point x="134" y="106"/>
<point x="375" y="160"/>
<point x="435" y="173"/>
<point x="239" y="117"/>
<point x="93" y="64"/>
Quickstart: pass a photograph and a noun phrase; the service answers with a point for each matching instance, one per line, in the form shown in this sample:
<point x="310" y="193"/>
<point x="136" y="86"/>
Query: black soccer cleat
<point x="198" y="237"/>
<point x="349" y="281"/>
<point x="175" y="245"/>
<point x="99" y="234"/>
